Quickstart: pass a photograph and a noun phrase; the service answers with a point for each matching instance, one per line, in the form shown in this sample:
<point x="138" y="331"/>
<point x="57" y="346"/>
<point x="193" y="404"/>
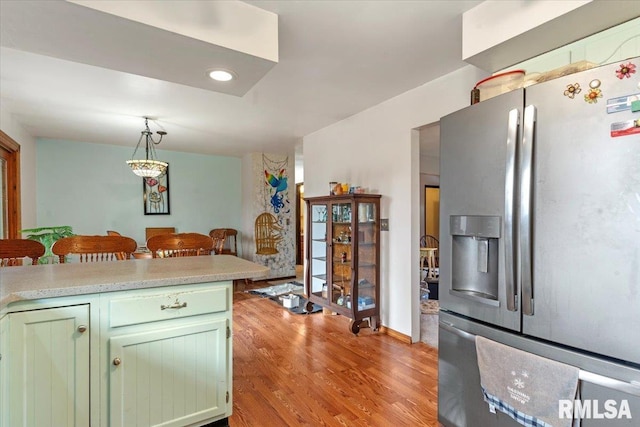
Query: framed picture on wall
<point x="156" y="195"/>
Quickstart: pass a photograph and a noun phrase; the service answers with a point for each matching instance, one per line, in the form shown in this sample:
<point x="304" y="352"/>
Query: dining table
<point x="142" y="253"/>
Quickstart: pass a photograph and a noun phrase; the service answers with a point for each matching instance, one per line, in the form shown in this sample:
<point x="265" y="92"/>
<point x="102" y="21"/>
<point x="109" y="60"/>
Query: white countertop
<point x="58" y="280"/>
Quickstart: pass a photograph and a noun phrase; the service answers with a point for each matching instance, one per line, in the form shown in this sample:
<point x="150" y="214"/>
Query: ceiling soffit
<point x="109" y="41"/>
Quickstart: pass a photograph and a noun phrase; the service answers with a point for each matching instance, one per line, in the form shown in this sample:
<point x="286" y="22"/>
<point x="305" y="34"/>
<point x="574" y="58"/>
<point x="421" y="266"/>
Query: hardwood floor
<point x="309" y="370"/>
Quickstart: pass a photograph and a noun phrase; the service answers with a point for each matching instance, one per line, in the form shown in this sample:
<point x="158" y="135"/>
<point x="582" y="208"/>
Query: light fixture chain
<point x="133" y="156"/>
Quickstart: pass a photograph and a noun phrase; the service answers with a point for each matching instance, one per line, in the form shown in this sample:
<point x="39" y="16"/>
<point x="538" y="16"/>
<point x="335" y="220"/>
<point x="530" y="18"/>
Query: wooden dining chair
<point x="95" y="248"/>
<point x="219" y="236"/>
<point x="232" y="242"/>
<point x="429" y="241"/>
<point x="180" y="245"/>
<point x="14" y="251"/>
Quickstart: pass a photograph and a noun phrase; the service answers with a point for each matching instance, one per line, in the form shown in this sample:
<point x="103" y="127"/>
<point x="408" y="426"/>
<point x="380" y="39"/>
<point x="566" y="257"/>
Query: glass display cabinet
<point x="343" y="256"/>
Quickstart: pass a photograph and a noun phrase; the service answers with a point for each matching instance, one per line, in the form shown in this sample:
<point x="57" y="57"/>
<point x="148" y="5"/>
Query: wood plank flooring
<point x="309" y="370"/>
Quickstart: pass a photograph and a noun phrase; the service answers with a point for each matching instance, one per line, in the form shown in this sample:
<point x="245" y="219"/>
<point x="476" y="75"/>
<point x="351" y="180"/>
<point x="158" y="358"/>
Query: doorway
<point x="432" y="211"/>
<point x="429" y="191"/>
<point x="301" y="208"/>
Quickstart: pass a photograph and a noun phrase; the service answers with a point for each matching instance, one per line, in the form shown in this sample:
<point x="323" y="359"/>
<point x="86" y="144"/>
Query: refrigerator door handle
<point x="526" y="190"/>
<point x="509" y="200"/>
<point x="631" y="387"/>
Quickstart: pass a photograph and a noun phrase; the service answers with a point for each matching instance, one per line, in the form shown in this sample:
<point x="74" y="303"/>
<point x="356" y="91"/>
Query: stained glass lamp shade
<point x="148" y="167"/>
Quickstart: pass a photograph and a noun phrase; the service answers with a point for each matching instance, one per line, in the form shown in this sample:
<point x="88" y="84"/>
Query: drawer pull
<point x="176" y="304"/>
<point x="82" y="329"/>
<point x="117" y="361"/>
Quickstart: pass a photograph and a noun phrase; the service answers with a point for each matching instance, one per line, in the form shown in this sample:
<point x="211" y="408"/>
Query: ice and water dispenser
<point x="475" y="257"/>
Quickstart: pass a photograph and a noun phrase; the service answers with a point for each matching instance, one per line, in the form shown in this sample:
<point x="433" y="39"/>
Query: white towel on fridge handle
<point x="525" y="386"/>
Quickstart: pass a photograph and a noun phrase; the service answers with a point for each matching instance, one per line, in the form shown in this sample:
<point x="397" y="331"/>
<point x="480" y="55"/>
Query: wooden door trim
<point x="10" y="151"/>
<point x="299" y="244"/>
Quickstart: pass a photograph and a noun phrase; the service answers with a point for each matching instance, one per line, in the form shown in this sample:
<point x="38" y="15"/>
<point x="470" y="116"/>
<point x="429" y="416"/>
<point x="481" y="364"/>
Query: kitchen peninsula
<point x="137" y="342"/>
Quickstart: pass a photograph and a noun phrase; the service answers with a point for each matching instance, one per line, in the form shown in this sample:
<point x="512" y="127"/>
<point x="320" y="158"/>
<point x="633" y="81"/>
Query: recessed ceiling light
<point x="221" y="75"/>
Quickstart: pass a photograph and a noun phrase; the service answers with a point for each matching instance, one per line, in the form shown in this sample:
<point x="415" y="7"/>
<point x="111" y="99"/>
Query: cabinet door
<point x="341" y="254"/>
<point x="317" y="250"/>
<point x="368" y="256"/>
<point x="48" y="368"/>
<point x="169" y="377"/>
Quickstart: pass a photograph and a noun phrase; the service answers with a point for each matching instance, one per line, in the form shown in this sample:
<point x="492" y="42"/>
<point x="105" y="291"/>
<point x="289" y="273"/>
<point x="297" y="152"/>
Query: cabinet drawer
<point x="165" y="306"/>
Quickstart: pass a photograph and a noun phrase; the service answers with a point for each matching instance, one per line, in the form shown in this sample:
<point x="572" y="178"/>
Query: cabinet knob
<point x="82" y="329"/>
<point x="117" y="361"/>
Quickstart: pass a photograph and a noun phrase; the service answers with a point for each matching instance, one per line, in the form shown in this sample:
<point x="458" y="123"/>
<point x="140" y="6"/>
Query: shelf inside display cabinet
<point x="364" y="284"/>
<point x="367" y="264"/>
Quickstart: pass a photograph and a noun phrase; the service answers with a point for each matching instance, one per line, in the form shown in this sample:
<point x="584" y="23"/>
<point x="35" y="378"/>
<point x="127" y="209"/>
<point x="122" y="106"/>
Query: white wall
<point x="378" y="149"/>
<point x="430" y="165"/>
<point x="27" y="167"/>
<point x="90" y="187"/>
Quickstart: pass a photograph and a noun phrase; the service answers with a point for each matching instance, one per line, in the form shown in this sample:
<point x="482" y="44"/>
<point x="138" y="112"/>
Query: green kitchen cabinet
<point x="44" y="367"/>
<point x="142" y="357"/>
<point x="169" y="356"/>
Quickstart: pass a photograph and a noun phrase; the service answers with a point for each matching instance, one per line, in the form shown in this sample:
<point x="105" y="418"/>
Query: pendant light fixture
<point x="149" y="167"/>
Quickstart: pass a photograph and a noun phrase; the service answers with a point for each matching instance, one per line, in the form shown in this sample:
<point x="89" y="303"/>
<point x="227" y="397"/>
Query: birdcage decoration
<point x="267" y="234"/>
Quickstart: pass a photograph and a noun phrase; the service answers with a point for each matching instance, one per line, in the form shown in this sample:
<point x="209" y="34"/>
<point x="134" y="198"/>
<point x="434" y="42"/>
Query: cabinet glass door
<point x="341" y="258"/>
<point x="318" y="250"/>
<point x="367" y="255"/>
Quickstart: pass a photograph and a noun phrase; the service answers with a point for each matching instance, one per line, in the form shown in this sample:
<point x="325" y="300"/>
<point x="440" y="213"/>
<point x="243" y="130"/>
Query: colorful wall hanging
<point x="275" y="236"/>
<point x="156" y="195"/>
<point x="276" y="177"/>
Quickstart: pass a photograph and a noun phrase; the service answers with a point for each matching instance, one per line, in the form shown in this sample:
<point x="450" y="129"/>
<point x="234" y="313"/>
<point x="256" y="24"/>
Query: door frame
<point x="10" y="153"/>
<point x="299" y="221"/>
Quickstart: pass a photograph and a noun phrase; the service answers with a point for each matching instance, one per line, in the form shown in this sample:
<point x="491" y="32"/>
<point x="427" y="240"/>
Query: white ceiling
<point x="336" y="58"/>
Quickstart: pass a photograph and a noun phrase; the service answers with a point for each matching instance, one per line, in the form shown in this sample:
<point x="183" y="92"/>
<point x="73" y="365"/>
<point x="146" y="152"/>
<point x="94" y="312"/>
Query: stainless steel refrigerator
<point x="540" y="238"/>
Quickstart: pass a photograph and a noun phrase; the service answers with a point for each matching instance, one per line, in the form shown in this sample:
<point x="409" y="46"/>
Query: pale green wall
<point x="90" y="187"/>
